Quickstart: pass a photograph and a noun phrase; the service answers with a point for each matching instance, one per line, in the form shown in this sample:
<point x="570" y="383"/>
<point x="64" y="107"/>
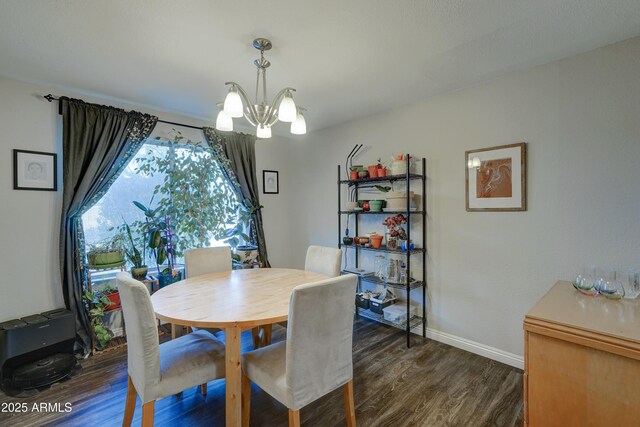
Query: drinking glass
<point x="634" y="284"/>
<point x="611" y="287"/>
<point x="586" y="282"/>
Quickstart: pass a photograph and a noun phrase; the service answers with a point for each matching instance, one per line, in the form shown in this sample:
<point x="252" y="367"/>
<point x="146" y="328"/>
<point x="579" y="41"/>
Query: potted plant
<point x="160" y="241"/>
<point x="139" y="268"/>
<point x="247" y="252"/>
<point x="98" y="304"/>
<point x="394" y="232"/>
<point x="106" y="253"/>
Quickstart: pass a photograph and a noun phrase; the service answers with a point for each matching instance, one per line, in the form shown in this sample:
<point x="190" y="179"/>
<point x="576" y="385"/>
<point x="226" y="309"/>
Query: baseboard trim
<point x="473" y="347"/>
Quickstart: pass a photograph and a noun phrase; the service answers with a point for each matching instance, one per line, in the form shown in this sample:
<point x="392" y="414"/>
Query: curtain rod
<point x="51" y="98"/>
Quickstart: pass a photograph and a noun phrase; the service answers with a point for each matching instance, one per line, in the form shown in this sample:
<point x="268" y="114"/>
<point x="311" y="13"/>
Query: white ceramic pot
<point x="247" y="253"/>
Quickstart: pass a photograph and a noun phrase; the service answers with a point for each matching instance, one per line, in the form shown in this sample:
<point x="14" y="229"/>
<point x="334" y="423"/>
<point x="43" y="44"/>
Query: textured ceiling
<point x="347" y="59"/>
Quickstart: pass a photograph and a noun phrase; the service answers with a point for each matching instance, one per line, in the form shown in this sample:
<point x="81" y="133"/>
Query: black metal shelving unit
<point x="409" y="285"/>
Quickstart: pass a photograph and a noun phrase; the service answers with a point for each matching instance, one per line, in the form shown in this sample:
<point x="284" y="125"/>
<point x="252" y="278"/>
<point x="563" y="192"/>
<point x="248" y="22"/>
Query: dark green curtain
<point x="237" y="156"/>
<point x="97" y="143"/>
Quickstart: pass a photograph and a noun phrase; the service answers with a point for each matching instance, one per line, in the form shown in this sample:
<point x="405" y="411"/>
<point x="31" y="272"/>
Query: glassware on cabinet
<point x="633" y="290"/>
<point x="611" y="287"/>
<point x="585" y="282"/>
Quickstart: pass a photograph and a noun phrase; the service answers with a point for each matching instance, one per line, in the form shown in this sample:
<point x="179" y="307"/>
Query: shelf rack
<point x="409" y="285"/>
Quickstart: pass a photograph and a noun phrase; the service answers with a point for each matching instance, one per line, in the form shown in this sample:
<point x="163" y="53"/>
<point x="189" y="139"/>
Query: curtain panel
<point x="97" y="144"/>
<point x="237" y="155"/>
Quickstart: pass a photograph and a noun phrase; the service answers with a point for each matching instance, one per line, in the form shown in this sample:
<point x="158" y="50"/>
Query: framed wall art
<point x="496" y="178"/>
<point x="35" y="170"/>
<point x="270" y="183"/>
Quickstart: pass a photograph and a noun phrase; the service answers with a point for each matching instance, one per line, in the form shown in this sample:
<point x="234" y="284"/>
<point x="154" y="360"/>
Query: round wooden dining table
<point x="235" y="301"/>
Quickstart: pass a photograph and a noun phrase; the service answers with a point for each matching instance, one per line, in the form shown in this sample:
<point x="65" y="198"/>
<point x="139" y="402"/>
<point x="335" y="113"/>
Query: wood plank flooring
<point x="431" y="384"/>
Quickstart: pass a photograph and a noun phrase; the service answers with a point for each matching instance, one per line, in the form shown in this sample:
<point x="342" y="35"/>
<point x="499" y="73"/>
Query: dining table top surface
<point x="248" y="298"/>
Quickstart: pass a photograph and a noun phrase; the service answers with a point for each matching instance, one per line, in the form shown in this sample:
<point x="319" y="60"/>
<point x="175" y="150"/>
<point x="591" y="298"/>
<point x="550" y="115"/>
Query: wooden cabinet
<point x="582" y="360"/>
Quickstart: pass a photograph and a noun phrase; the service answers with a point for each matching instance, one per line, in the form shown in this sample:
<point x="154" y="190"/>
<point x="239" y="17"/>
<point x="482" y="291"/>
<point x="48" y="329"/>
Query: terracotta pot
<point x="353" y="175"/>
<point x="382" y="172"/>
<point x="373" y="171"/>
<point x="376" y="241"/>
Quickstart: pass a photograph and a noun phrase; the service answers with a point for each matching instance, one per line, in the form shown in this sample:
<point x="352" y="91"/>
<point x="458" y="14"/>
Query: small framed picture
<point x="496" y="178"/>
<point x="35" y="170"/>
<point x="270" y="182"/>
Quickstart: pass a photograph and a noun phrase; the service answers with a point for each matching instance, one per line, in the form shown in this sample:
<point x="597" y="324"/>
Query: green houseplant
<point x="139" y="267"/>
<point x="106" y="253"/>
<point x="195" y="194"/>
<point x="238" y="240"/>
<point x="160" y="239"/>
<point x="98" y="305"/>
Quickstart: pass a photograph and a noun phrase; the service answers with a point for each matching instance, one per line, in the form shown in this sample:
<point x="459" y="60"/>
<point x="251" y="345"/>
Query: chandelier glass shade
<point x="261" y="114"/>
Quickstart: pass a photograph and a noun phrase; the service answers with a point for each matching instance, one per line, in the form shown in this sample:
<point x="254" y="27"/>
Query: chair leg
<point x="261" y="336"/>
<point x="130" y="403"/>
<point x="246" y="400"/>
<point x="203" y="389"/>
<point x="294" y="418"/>
<point x="174" y="331"/>
<point x="349" y="406"/>
<point x="147" y="414"/>
<point x="267" y="334"/>
<point x="255" y="334"/>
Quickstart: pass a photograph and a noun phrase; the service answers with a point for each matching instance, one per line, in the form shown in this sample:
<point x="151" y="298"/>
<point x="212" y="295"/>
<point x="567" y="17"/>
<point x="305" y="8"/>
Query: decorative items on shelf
<point x="399" y="164"/>
<point x="395" y="231"/>
<point x="393" y="270"/>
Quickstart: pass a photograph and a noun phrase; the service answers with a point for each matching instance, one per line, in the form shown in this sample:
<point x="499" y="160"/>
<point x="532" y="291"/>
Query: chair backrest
<point x="143" y="347"/>
<point x="207" y="260"/>
<point x="323" y="260"/>
<point x="319" y="338"/>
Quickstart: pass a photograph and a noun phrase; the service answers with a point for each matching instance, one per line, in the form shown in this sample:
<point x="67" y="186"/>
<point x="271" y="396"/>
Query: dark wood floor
<point x="431" y="384"/>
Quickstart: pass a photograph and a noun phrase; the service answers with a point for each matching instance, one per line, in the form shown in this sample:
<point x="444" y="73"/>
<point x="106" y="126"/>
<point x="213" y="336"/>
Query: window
<point x="184" y="181"/>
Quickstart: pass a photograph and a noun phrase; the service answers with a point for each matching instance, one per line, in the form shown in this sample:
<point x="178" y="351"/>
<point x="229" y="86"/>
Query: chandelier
<point x="261" y="114"/>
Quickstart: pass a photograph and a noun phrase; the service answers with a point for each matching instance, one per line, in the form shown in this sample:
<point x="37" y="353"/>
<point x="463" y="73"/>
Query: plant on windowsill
<point x="160" y="241"/>
<point x="99" y="304"/>
<point x="106" y="253"/>
<point x="245" y="253"/>
<point x="139" y="267"/>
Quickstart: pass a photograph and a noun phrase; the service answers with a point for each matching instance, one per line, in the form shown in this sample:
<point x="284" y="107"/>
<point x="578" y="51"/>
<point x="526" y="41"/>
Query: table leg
<point x="233" y="376"/>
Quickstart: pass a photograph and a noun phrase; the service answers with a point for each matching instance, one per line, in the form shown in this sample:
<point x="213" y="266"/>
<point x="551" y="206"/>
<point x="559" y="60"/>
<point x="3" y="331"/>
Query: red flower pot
<point x="114" y="297"/>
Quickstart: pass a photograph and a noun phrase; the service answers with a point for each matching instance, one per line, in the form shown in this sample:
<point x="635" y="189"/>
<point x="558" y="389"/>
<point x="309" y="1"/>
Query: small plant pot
<point x="347" y="240"/>
<point x="139" y="273"/>
<point x="166" y="279"/>
<point x="382" y="172"/>
<point x="373" y="171"/>
<point x="376" y="241"/>
<point x="247" y="253"/>
<point x="114" y="297"/>
<point x="375" y="205"/>
<point x="353" y="175"/>
<point x="105" y="258"/>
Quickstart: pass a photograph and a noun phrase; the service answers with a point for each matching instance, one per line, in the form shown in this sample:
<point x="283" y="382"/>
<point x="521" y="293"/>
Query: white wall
<point x="30" y="220"/>
<point x="581" y="119"/>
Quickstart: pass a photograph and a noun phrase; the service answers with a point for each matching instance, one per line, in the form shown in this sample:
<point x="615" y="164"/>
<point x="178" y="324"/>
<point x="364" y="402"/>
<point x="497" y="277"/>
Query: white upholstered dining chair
<point x="201" y="261"/>
<point x="159" y="370"/>
<point x="316" y="357"/>
<point x="323" y="260"/>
